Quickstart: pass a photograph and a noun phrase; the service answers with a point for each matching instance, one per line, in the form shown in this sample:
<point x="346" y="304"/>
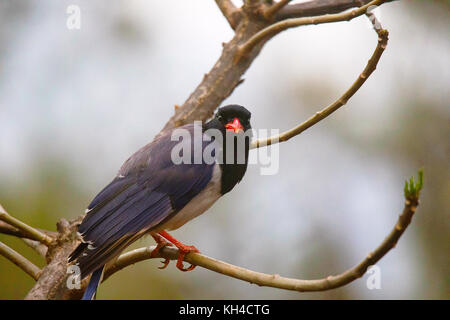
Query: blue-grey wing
<point x="148" y="190"/>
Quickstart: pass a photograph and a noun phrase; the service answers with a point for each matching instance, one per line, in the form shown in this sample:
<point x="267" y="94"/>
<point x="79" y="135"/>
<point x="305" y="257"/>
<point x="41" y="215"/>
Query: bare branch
<point x="370" y="67"/>
<point x="278" y="27"/>
<point x="230" y="12"/>
<point x="31" y="232"/>
<point x="273" y="9"/>
<point x="36" y="245"/>
<point x="317" y="8"/>
<point x="12" y="231"/>
<point x="19" y="261"/>
<point x="274" y="280"/>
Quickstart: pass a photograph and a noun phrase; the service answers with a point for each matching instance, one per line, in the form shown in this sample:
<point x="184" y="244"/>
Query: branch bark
<point x="52" y="280"/>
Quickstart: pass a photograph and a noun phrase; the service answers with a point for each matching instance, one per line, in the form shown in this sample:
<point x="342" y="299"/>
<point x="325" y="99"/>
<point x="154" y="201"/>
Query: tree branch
<point x="276" y="28"/>
<point x="230" y="12"/>
<point x="276" y="7"/>
<point x="370" y="67"/>
<point x="412" y="192"/>
<point x="28" y="231"/>
<point x="317" y="8"/>
<point x="36" y="245"/>
<point x="10" y="230"/>
<point x="19" y="261"/>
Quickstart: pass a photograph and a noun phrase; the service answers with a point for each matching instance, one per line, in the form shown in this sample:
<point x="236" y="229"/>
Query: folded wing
<point x="147" y="191"/>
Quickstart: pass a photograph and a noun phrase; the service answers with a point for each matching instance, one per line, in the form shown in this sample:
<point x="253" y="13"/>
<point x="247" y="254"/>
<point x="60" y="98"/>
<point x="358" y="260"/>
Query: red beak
<point x="234" y="126"/>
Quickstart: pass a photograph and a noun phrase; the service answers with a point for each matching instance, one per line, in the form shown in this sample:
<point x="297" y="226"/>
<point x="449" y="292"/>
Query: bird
<point x="151" y="194"/>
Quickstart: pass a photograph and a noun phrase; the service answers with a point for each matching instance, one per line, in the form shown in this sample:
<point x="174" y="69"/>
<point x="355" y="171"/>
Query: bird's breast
<point x="199" y="204"/>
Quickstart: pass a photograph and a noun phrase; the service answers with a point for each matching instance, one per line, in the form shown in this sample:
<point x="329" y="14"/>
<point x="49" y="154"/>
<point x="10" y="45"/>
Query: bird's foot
<point x="160" y="243"/>
<point x="183" y="251"/>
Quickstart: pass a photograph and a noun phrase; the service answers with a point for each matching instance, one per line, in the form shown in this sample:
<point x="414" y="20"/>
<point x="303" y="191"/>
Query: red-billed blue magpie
<point x="152" y="194"/>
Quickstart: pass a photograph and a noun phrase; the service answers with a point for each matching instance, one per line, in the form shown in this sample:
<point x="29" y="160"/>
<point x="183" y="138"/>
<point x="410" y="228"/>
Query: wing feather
<point x="148" y="190"/>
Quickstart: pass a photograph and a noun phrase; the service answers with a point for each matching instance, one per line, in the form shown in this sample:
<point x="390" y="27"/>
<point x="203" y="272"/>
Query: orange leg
<point x="160" y="243"/>
<point x="184" y="249"/>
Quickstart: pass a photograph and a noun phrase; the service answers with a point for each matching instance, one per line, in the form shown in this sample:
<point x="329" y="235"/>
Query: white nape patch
<point x="84" y="254"/>
<point x="199" y="204"/>
<point x="87" y="210"/>
<point x="120" y="176"/>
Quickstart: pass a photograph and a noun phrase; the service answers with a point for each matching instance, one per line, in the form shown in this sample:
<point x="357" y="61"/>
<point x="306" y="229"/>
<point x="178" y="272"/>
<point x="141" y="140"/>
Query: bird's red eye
<point x="234" y="126"/>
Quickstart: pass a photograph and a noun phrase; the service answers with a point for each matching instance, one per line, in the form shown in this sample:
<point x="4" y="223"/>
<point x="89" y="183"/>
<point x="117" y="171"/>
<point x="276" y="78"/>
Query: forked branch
<point x="16" y="227"/>
<point x="276" y="28"/>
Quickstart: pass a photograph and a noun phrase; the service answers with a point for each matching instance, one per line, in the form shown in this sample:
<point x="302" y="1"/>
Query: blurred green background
<point x="74" y="104"/>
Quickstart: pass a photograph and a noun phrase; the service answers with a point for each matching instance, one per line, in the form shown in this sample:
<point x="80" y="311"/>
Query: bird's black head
<point x="233" y="121"/>
<point x="231" y="118"/>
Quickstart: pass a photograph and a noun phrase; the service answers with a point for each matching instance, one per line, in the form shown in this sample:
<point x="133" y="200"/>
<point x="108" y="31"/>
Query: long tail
<point x="91" y="289"/>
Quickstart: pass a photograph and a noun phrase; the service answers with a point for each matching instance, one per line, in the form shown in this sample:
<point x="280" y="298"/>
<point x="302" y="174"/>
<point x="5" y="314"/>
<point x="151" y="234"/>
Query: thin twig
<point x="230" y="12"/>
<point x="19" y="261"/>
<point x="31" y="232"/>
<point x="278" y="27"/>
<point x="13" y="231"/>
<point x="273" y="9"/>
<point x="318" y="8"/>
<point x="275" y="280"/>
<point x="370" y="67"/>
<point x="10" y="230"/>
<point x="35" y="245"/>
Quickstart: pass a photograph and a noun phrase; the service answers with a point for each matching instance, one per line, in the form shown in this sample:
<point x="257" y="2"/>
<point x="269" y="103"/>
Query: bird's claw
<point x="165" y="264"/>
<point x="182" y="250"/>
<point x="180" y="259"/>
